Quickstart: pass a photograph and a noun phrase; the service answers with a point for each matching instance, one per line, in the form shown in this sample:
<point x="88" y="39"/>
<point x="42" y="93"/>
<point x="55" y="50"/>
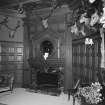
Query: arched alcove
<point x="46" y="46"/>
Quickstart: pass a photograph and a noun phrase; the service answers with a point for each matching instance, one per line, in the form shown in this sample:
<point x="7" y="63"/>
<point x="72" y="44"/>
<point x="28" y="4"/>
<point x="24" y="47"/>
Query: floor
<point x="21" y="96"/>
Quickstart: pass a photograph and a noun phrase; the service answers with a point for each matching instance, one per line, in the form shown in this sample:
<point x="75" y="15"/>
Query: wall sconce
<point x="12" y="30"/>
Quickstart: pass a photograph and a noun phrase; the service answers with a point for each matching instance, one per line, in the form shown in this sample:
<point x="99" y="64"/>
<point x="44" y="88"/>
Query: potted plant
<point x="90" y="95"/>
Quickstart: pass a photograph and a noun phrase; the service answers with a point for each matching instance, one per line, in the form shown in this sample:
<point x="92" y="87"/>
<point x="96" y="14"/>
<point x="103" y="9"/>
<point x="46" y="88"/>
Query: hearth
<point x="48" y="83"/>
<point x="47" y="80"/>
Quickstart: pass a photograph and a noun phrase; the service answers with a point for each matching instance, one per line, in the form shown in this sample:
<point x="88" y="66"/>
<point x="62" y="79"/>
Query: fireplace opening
<point x="47" y="80"/>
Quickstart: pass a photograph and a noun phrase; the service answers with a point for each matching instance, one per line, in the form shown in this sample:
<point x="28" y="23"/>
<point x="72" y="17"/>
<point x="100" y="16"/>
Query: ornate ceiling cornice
<point x="20" y="7"/>
<point x="11" y="13"/>
<point x="37" y="4"/>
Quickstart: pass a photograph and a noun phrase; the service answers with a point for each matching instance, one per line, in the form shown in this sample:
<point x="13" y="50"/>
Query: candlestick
<point x="58" y="49"/>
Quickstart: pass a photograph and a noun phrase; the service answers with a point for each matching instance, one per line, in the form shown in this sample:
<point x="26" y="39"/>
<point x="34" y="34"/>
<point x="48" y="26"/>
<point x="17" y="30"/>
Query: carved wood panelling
<point x="54" y="33"/>
<point x="11" y="59"/>
<point x="86" y="59"/>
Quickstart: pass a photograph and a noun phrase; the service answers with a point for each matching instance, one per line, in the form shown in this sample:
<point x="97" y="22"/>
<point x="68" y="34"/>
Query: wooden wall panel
<point x="35" y="33"/>
<point x="11" y="59"/>
<point x="86" y="59"/>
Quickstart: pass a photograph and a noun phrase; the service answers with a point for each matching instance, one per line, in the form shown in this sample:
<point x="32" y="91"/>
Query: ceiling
<point x="36" y="4"/>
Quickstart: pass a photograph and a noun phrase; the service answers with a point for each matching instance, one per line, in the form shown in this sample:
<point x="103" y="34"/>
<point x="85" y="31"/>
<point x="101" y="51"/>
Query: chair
<point x="73" y="91"/>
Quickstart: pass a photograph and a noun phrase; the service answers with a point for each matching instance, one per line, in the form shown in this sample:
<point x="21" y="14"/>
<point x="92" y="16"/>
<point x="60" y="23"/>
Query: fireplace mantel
<point x="40" y="64"/>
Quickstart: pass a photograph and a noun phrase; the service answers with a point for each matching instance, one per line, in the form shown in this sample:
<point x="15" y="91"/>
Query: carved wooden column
<point x="26" y="72"/>
<point x="26" y="43"/>
<point x="68" y="60"/>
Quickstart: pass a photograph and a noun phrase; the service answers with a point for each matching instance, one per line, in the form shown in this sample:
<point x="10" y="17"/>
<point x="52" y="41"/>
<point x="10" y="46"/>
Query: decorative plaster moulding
<point x="13" y="3"/>
<point x="12" y="13"/>
<point x="58" y="11"/>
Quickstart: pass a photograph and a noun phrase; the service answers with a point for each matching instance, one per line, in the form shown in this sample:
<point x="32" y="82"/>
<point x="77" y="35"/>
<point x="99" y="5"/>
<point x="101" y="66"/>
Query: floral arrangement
<point x="91" y="94"/>
<point x="91" y="16"/>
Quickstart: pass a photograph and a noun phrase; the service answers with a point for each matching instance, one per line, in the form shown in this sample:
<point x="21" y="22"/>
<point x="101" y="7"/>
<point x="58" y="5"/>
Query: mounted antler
<point x="4" y="22"/>
<point x="12" y="30"/>
<point x="44" y="20"/>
